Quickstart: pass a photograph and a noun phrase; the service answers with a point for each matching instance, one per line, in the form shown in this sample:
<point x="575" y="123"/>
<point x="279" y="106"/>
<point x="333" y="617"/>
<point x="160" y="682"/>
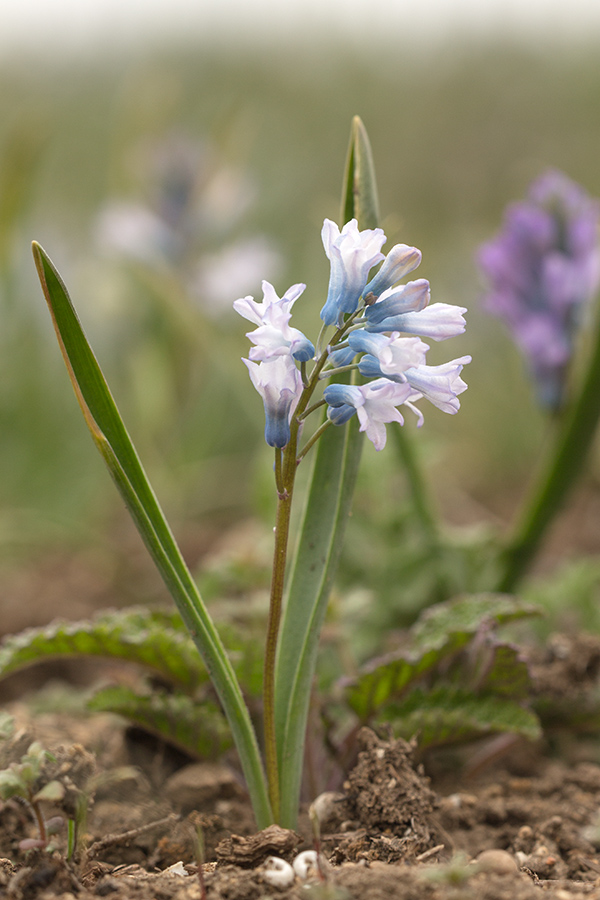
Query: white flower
<point x="279" y="383"/>
<point x="352" y="254"/>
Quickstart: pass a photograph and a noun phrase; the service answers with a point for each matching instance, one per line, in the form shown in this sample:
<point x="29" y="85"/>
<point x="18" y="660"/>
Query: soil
<point x="511" y="821"/>
<point x="526" y="824"/>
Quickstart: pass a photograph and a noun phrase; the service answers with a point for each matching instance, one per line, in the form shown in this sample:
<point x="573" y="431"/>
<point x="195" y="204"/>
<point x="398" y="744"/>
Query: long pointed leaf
<point x="113" y="442"/>
<point x="327" y="508"/>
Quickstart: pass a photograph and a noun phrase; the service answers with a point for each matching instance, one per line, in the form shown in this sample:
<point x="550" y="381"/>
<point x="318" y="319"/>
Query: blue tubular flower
<point x="438" y="321"/>
<point x="410" y="297"/>
<point x="439" y="384"/>
<point x="352" y="254"/>
<point x="342" y="357"/>
<point x="401" y="260"/>
<point x="375" y="405"/>
<point x="279" y="383"/>
<point x="387" y="355"/>
<point x="542" y="267"/>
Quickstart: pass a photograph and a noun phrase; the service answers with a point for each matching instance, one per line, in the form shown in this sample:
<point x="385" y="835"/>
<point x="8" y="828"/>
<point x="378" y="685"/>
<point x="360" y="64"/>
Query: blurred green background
<point x="457" y="132"/>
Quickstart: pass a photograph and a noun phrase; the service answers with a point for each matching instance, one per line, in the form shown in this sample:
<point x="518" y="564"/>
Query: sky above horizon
<point x="79" y="24"/>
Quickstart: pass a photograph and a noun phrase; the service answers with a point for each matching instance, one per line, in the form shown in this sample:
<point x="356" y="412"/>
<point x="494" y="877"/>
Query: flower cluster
<point x="377" y="322"/>
<point x="542" y="268"/>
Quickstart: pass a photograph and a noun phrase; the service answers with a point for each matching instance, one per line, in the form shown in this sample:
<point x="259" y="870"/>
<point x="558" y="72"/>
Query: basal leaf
<point x="465" y="615"/>
<point x="120" y="456"/>
<point x="197" y="728"/>
<point x="453" y="715"/>
<point x="440" y="632"/>
<point x="507" y="673"/>
<point x="153" y="639"/>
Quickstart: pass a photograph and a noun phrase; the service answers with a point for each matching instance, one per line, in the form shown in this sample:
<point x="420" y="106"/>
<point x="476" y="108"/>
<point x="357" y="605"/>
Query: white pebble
<point x="277" y="872"/>
<point x="306" y="865"/>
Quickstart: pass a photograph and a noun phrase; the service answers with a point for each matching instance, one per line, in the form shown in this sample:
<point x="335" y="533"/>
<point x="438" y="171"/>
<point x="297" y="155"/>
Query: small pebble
<point x="498" y="861"/>
<point x="306" y="865"/>
<point x="277" y="872"/>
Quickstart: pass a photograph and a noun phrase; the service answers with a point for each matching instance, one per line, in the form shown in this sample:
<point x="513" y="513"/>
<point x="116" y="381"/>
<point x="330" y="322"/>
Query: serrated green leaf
<point x="199" y="729"/>
<point x="453" y="715"/>
<point x="507" y="674"/>
<point x="466" y="614"/>
<point x="137" y="635"/>
<point x="440" y="632"/>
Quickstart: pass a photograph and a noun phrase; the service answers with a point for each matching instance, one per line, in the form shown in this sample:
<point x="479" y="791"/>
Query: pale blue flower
<point x="279" y="383"/>
<point x="352" y="254"/>
<point x="274" y="335"/>
<point x="375" y="404"/>
<point x="411" y="297"/>
<point x="441" y="385"/>
<point x="387" y="355"/>
<point x="401" y="260"/>
<point x="438" y="321"/>
<point x="256" y="312"/>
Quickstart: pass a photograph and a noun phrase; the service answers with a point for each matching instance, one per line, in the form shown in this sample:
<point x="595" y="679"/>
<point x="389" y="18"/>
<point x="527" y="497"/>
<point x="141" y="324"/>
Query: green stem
<point x="285" y="476"/>
<point x="313" y="440"/>
<point x="558" y="476"/>
<point x="419" y="494"/>
<point x="422" y="506"/>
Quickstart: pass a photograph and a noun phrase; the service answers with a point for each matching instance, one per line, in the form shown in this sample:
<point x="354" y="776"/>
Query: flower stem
<point x="313" y="440"/>
<point x="285" y="470"/>
<point x="559" y="475"/>
<point x="286" y="463"/>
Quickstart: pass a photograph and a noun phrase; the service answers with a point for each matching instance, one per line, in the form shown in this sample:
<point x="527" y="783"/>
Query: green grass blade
<point x="328" y="504"/>
<point x="110" y="436"/>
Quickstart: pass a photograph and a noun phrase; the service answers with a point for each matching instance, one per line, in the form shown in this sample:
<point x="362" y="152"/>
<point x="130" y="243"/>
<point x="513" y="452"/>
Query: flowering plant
<point x="370" y="330"/>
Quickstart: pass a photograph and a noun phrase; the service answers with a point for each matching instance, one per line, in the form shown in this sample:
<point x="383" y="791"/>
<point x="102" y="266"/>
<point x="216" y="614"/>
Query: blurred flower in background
<point x="543" y="268"/>
<point x="195" y="204"/>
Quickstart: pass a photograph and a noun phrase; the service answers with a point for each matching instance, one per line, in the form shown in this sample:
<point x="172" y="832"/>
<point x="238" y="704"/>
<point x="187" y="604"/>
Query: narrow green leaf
<point x="110" y="435"/>
<point x="327" y="507"/>
<point x="359" y="199"/>
<point x="440" y="632"/>
<point x="451" y="715"/>
<point x="136" y="635"/>
<point x="197" y="728"/>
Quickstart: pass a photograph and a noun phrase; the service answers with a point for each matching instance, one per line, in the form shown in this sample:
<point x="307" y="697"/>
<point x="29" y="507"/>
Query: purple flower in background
<point x="542" y="267"/>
